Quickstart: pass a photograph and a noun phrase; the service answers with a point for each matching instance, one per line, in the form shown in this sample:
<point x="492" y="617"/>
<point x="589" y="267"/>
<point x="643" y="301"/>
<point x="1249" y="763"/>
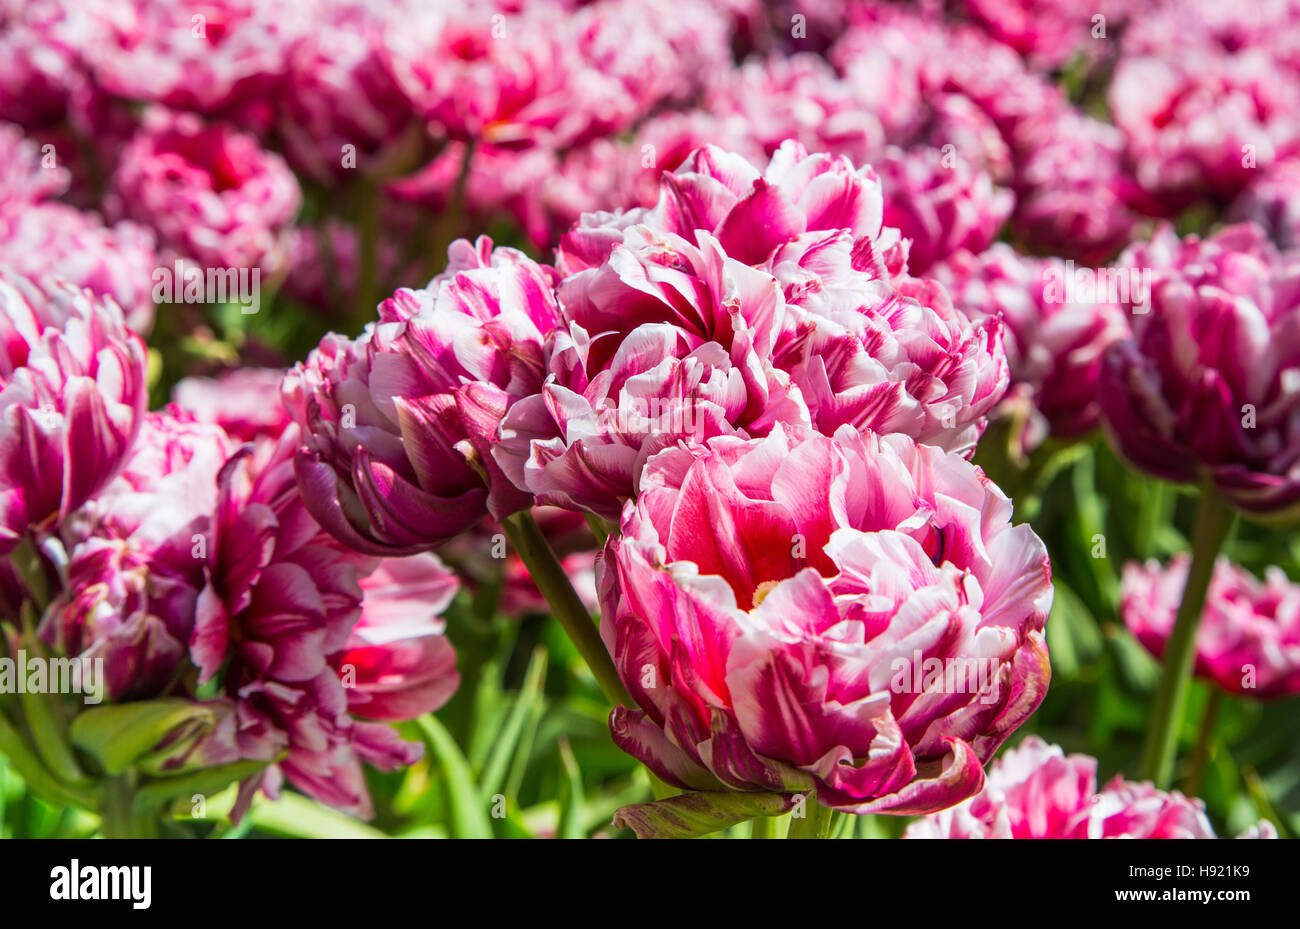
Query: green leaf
<point x="207" y="781"/>
<point x="690" y="815"/>
<point x="468" y="815"/>
<point x="299" y="817"/>
<point x="37" y="777"/>
<point x="530" y="695"/>
<point x="571" y="796"/>
<point x="129" y="733"/>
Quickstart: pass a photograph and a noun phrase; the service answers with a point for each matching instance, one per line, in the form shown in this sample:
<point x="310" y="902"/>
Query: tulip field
<point x="648" y="419"/>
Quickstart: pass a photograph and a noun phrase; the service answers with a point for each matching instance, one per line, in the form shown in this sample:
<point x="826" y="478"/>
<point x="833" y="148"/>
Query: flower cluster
<point x="1036" y="791"/>
<point x="323" y="320"/>
<point x="189" y="565"/>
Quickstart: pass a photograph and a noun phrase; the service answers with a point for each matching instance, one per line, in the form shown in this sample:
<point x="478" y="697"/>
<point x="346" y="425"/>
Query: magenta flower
<point x="1036" y="791"/>
<point x="1273" y="201"/>
<point x="24" y="181"/>
<point x="282" y="596"/>
<point x="51" y="243"/>
<point x="1046" y="32"/>
<point x="692" y="365"/>
<point x="211" y="194"/>
<point x="210" y="57"/>
<point x="752" y="213"/>
<point x="1248" y="641"/>
<point x="39" y="73"/>
<point x="136" y="559"/>
<point x="1188" y="406"/>
<point x="72" y="391"/>
<point x="398" y="425"/>
<point x="397" y="664"/>
<point x="955" y="123"/>
<point x="789" y="613"/>
<point x="864" y="343"/>
<point x="940" y="204"/>
<point x="1072" y="193"/>
<point x="504" y="79"/>
<point x="338" y="93"/>
<point x="1055" y="341"/>
<point x="245" y="402"/>
<point x="797" y="97"/>
<point x="1200" y="125"/>
<point x="659" y="59"/>
<point x="912" y="363"/>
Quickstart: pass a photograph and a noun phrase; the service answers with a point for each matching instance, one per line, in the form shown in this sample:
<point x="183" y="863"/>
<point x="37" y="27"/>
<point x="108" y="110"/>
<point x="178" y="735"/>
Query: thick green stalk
<point x="119" y="817"/>
<point x="451" y="221"/>
<point x="1214" y="520"/>
<point x="566" y="606"/>
<point x="814" y="824"/>
<point x="1204" y="743"/>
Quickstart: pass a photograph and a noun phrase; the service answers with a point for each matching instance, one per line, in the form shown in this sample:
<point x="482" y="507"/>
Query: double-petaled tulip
<point x="211" y="194"/>
<point x="1036" y="791"/>
<point x="476" y="73"/>
<point x="1273" y="201"/>
<point x="1200" y="124"/>
<point x="397" y="664"/>
<point x="1072" y="193"/>
<point x="136" y="559"/>
<point x="1248" y="641"/>
<point x="1046" y="32"/>
<point x="797" y="97"/>
<point x="72" y="392"/>
<point x="342" y="111"/>
<point x="907" y="362"/>
<point x="941" y="204"/>
<point x="791" y="273"/>
<point x="851" y="614"/>
<point x="398" y="424"/>
<point x="53" y="242"/>
<point x="1206" y="389"/>
<point x="282" y="598"/>
<point x="245" y="402"/>
<point x="666" y="342"/>
<point x="752" y="213"/>
<point x="24" y="181"/>
<point x="1055" y="336"/>
<point x="215" y="56"/>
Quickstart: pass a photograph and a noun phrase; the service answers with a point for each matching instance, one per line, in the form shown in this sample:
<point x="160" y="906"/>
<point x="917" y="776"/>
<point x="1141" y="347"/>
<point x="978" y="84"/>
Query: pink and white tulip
<point x="1248" y="641"/>
<point x="770" y="603"/>
<point x="1205" y="389"/>
<point x="1036" y="791"/>
<point x="398" y="425"/>
<point x="73" y="394"/>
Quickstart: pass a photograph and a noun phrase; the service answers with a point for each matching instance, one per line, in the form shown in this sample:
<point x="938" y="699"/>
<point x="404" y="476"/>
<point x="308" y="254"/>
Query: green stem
<point x="119" y="817"/>
<point x="367" y="213"/>
<point x="814" y="824"/>
<point x="566" y="606"/>
<point x="450" y="221"/>
<point x="1204" y="741"/>
<point x="599" y="528"/>
<point x="1153" y="512"/>
<point x="1214" y="521"/>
